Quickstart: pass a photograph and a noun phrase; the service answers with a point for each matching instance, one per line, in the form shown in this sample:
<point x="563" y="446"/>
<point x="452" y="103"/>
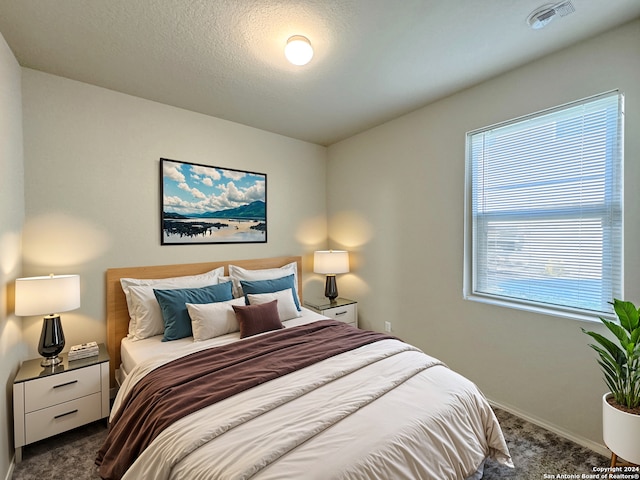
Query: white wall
<point x="12" y="349"/>
<point x="396" y="200"/>
<point x="93" y="188"/>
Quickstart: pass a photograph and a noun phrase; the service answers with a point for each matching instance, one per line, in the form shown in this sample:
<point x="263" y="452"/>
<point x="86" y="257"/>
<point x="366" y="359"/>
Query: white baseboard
<point x="12" y="466"/>
<point x="584" y="442"/>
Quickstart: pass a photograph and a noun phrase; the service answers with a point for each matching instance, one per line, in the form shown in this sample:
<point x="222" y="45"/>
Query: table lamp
<point x="331" y="262"/>
<point x="48" y="296"/>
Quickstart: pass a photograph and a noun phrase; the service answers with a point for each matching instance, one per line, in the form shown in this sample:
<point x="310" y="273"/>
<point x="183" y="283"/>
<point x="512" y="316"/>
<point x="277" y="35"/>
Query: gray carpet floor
<point x="537" y="454"/>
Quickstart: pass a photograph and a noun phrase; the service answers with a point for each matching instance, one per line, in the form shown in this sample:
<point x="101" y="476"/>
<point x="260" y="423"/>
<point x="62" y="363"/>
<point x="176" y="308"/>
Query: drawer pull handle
<point x="65" y="414"/>
<point x="340" y="313"/>
<point x="65" y="384"/>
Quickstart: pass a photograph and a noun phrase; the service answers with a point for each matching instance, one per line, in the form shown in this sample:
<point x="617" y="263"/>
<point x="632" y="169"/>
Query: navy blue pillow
<point x="271" y="286"/>
<point x="177" y="323"/>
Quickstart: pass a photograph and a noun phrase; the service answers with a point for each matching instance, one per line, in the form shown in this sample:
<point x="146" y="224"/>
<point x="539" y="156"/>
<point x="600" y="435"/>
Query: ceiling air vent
<point x="543" y="15"/>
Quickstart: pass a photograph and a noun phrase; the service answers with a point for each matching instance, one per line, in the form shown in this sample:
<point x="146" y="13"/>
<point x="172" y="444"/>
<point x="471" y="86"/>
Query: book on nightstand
<point x="84" y="350"/>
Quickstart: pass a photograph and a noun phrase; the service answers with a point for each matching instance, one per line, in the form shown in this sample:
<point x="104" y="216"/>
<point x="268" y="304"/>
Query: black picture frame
<point x="203" y="204"/>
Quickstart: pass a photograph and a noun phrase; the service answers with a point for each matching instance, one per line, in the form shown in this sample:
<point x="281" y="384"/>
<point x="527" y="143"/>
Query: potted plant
<point x="620" y="363"/>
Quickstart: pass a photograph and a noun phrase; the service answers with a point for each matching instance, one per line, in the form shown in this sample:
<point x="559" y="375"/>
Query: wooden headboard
<point x="118" y="314"/>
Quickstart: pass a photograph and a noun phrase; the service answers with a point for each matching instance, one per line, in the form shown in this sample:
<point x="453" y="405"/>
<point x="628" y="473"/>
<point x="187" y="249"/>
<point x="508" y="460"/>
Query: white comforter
<point x="382" y="411"/>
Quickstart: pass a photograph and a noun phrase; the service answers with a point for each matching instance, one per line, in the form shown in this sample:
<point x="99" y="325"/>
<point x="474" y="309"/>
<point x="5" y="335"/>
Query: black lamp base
<point x="51" y="341"/>
<point x="331" y="288"/>
<point x="51" y="362"/>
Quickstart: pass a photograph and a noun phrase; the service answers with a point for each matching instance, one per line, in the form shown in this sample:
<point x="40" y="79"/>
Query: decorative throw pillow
<point x="254" y="319"/>
<point x="271" y="286"/>
<point x="211" y="320"/>
<point x="145" y="303"/>
<point x="237" y="274"/>
<point x="286" y="306"/>
<point x="173" y="304"/>
<point x="146" y="311"/>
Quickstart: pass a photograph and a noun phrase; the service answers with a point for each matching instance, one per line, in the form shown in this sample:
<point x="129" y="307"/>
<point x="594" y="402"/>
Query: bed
<point x="327" y="400"/>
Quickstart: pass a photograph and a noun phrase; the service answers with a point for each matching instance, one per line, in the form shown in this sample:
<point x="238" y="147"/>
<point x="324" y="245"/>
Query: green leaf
<point x="608" y="368"/>
<point x="627" y="313"/>
<point x="620" y="363"/>
<point x="620" y="333"/>
<point x="611" y="347"/>
<point x="611" y="379"/>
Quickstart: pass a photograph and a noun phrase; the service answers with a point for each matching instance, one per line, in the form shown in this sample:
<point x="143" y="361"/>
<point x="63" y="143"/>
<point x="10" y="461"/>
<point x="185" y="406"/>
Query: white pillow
<point x="142" y="305"/>
<point x="238" y="273"/>
<point x="286" y="306"/>
<point x="210" y="320"/>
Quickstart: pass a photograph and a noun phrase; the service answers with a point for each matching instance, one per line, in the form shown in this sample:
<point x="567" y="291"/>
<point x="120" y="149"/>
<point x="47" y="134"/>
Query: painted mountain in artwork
<point x="255" y="211"/>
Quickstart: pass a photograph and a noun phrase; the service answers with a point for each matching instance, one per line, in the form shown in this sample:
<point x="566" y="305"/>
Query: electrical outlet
<point x="387" y="326"/>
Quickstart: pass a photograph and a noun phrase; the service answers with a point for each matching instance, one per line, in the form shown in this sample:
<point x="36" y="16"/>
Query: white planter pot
<point x="621" y="432"/>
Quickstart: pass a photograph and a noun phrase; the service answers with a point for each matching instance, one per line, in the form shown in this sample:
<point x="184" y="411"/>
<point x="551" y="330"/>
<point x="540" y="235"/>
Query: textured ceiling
<point x="374" y="59"/>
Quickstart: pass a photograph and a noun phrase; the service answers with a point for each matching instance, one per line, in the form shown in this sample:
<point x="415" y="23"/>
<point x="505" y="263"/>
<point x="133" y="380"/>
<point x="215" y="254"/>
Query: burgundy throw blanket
<point x="198" y="380"/>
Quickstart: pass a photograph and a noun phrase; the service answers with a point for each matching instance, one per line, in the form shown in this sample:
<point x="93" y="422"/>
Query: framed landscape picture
<point x="205" y="204"/>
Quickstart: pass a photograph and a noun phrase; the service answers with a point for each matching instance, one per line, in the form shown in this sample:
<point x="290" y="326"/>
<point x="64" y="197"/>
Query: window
<point x="544" y="209"/>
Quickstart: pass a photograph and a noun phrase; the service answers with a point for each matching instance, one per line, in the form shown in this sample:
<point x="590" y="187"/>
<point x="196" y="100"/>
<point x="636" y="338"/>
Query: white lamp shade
<point x="47" y="295"/>
<point x="331" y="262"/>
<point x="298" y="50"/>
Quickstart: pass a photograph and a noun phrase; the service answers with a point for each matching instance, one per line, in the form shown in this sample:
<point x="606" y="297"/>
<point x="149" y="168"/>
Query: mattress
<point x="384" y="410"/>
<point x="133" y="352"/>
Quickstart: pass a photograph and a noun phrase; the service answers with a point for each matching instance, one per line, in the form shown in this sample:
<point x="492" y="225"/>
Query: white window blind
<point x="546" y="207"/>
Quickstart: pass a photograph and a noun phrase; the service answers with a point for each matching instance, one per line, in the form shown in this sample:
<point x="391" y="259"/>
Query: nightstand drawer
<point x="60" y="418"/>
<point x="55" y="389"/>
<point x="345" y="313"/>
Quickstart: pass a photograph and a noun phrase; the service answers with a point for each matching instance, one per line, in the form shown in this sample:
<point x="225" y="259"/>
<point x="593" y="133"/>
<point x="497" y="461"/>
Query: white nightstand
<point x="341" y="309"/>
<point x="51" y="400"/>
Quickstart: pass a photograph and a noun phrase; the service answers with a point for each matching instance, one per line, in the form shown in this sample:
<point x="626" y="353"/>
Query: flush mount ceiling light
<point x="543" y="15"/>
<point x="298" y="50"/>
